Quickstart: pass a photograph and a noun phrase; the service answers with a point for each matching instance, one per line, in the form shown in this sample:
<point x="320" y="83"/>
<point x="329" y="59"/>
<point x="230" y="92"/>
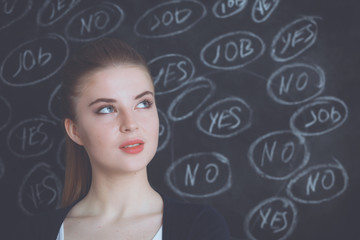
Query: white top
<point x="60" y="236"/>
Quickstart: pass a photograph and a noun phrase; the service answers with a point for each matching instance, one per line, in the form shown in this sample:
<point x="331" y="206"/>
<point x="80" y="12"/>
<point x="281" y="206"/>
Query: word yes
<point x="33" y="136"/>
<point x="169" y="72"/>
<point x="219" y="119"/>
<point x="40" y="192"/>
<point x="302" y="35"/>
<point x="278" y="221"/>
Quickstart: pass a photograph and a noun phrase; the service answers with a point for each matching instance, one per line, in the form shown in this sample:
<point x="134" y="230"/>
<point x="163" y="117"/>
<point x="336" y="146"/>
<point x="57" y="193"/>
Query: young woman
<point x="112" y="126"/>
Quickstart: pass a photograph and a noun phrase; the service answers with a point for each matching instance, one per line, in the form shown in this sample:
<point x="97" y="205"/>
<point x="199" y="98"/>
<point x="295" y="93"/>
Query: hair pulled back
<point x="90" y="58"/>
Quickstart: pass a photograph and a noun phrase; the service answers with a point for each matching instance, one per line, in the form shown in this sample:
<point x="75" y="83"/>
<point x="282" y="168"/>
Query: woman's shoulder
<point x="179" y="208"/>
<point x="40" y="226"/>
<point x="193" y="221"/>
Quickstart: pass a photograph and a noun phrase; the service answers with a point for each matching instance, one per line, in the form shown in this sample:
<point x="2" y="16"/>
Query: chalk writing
<point x="322" y="115"/>
<point x="318" y="184"/>
<point x="169" y="19"/>
<point x="262" y="9"/>
<point x="40" y="190"/>
<point x="94" y="22"/>
<point x="164" y="131"/>
<point x="293" y="39"/>
<point x="225" y="118"/>
<point x="296" y="83"/>
<point x="5" y="110"/>
<point x="2" y="168"/>
<point x="273" y="218"/>
<point x="31" y="137"/>
<point x="34" y="61"/>
<point x="12" y="11"/>
<point x="198" y="91"/>
<point x="54" y="105"/>
<point x="60" y="154"/>
<point x="232" y="50"/>
<point x="170" y="72"/>
<point x="228" y="8"/>
<point x="278" y="155"/>
<point x="199" y="175"/>
<point x="54" y="10"/>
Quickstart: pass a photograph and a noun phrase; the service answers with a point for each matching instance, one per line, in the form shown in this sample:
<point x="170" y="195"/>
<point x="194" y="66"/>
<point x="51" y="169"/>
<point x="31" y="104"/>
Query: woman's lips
<point x="132" y="146"/>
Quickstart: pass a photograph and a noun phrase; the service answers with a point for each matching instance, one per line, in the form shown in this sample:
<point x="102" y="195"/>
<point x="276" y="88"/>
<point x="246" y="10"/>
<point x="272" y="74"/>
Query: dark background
<point x="31" y="137"/>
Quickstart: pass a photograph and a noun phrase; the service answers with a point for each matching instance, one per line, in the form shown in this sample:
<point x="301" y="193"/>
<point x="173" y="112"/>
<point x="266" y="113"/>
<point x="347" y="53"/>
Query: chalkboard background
<point x="258" y="103"/>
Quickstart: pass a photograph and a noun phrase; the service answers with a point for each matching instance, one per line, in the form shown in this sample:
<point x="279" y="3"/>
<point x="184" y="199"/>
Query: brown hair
<point x="91" y="57"/>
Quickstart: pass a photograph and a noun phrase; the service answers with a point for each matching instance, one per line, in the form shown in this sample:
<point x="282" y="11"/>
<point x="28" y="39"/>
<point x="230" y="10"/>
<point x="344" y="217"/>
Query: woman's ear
<point x="71" y="131"/>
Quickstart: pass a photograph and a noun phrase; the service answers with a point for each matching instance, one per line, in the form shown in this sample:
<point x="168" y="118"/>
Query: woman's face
<point x="116" y="119"/>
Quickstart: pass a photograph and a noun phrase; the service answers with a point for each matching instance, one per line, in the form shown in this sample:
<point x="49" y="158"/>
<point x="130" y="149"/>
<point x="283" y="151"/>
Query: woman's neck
<point x="119" y="196"/>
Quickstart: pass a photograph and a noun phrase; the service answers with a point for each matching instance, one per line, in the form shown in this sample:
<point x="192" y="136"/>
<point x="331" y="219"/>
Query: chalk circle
<point x="5" y="113"/>
<point x="278" y="155"/>
<point x="94" y="22"/>
<point x="318" y="184"/>
<point x="235" y="112"/>
<point x="164" y="131"/>
<point x="169" y="18"/>
<point x="296" y="83"/>
<point x="2" y="168"/>
<point x="260" y="13"/>
<point x="40" y="190"/>
<point x="60" y="154"/>
<point x="31" y="137"/>
<point x="320" y="116"/>
<point x="54" y="105"/>
<point x="232" y="50"/>
<point x="226" y="8"/>
<point x="47" y="14"/>
<point x="13" y="11"/>
<point x="34" y="61"/>
<point x="170" y="72"/>
<point x="194" y="95"/>
<point x="273" y="218"/>
<point x="277" y="50"/>
<point x="200" y="175"/>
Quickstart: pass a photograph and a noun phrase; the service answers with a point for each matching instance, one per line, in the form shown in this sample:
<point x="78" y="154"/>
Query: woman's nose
<point x="128" y="123"/>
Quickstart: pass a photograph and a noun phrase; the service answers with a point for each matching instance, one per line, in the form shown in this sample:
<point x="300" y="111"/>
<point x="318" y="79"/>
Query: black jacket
<point x="181" y="221"/>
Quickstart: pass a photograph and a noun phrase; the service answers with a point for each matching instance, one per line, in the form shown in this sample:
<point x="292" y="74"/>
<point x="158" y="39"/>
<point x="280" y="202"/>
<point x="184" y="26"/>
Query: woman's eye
<point x="107" y="109"/>
<point x="144" y="104"/>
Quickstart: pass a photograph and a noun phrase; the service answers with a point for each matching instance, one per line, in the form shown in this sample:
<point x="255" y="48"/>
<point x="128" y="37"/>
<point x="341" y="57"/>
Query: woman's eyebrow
<point x="111" y="100"/>
<point x="143" y="94"/>
<point x="107" y="100"/>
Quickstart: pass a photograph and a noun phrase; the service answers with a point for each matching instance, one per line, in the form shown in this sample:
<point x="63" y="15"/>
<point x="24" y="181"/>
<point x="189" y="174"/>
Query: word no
<point x="325" y="181"/>
<point x="98" y="21"/>
<point x="287" y="152"/>
<point x="212" y="173"/>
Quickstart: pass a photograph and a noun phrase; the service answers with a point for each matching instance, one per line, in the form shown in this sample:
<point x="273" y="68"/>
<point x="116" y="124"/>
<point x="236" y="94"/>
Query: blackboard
<point x="258" y="104"/>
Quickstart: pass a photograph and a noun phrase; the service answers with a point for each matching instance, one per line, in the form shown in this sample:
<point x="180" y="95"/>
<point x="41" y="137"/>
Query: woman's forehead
<point x="123" y="78"/>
